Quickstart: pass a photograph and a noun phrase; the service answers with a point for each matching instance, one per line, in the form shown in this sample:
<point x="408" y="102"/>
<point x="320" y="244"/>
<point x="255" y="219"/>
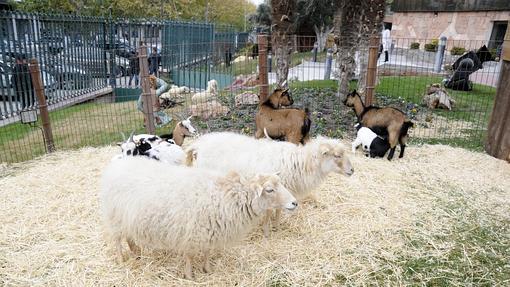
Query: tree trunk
<point x="322" y="36"/>
<point x="346" y="38"/>
<point x="370" y="23"/>
<point x="281" y="37"/>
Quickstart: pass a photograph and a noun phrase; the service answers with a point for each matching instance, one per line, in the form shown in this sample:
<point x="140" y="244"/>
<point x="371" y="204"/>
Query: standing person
<point x="21" y="80"/>
<point x="154" y="60"/>
<point x="158" y="87"/>
<point x="386" y="42"/>
<point x="134" y="68"/>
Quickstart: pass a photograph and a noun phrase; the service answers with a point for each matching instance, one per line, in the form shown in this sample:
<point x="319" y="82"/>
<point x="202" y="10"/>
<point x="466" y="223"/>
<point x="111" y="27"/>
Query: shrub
<point x="415" y="45"/>
<point x="432" y="46"/>
<point x="457" y="51"/>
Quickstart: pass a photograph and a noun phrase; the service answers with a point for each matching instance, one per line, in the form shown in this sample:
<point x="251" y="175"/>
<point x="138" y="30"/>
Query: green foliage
<point x="457" y="51"/>
<point x="415" y="45"/>
<point x="432" y="46"/>
<point x="224" y="11"/>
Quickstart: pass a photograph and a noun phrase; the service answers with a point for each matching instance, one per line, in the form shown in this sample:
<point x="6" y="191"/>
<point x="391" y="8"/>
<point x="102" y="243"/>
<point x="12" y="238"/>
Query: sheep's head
<point x="279" y="98"/>
<point x="271" y="193"/>
<point x="351" y="98"/>
<point x="334" y="158"/>
<point x="212" y="86"/>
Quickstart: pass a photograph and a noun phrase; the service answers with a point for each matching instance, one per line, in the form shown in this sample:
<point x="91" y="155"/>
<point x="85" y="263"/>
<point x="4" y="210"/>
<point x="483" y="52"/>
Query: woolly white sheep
<point x="190" y="211"/>
<point x="212" y="91"/>
<point x="302" y="168"/>
<point x="372" y="144"/>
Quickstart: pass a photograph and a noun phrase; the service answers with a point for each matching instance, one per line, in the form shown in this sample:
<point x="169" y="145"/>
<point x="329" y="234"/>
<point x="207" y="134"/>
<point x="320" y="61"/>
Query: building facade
<point x="484" y="21"/>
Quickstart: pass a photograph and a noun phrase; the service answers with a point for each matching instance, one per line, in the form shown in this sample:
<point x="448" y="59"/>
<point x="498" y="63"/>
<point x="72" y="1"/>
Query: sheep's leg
<point x="118" y="247"/>
<point x="265" y="223"/>
<point x="276" y="222"/>
<point x="188" y="274"/>
<point x="135" y="249"/>
<point x="207" y="266"/>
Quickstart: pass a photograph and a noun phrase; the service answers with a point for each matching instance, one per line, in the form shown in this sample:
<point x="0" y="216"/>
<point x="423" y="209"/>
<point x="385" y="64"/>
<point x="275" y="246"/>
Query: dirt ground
<point x="438" y="216"/>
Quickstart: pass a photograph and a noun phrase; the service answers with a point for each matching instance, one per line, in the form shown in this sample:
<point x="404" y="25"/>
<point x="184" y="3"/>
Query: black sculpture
<point x="465" y="66"/>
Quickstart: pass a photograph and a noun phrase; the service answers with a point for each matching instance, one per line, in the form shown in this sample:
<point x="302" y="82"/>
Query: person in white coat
<point x="386" y="43"/>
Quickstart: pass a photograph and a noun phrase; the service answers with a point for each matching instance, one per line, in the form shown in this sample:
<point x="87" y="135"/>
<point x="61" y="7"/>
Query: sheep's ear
<point x="324" y="149"/>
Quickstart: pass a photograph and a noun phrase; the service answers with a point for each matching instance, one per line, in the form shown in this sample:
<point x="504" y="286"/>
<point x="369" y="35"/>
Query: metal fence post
<point x="315" y="48"/>
<point x="440" y="54"/>
<point x="269" y="62"/>
<point x="148" y="111"/>
<point x="35" y="74"/>
<point x="263" y="82"/>
<point x="329" y="63"/>
<point x="373" y="49"/>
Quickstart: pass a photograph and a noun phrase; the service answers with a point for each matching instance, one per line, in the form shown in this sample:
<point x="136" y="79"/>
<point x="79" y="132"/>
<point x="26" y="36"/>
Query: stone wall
<point x="468" y="29"/>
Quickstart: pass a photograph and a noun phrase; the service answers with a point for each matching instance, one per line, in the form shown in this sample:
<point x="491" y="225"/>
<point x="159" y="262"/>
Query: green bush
<point x="457" y="51"/>
<point x="415" y="45"/>
<point x="432" y="46"/>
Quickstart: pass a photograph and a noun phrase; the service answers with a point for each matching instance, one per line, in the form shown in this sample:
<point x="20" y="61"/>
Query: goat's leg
<point x="393" y="139"/>
<point x="188" y="274"/>
<point x="402" y="141"/>
<point x="259" y="133"/>
<point x="135" y="249"/>
<point x="206" y="267"/>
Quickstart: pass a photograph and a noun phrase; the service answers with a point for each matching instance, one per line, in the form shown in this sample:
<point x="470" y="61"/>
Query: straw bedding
<point x="356" y="231"/>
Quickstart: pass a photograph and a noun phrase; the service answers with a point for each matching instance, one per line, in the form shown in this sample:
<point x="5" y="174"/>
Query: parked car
<point x="52" y="43"/>
<point x="6" y="88"/>
<point x="68" y="76"/>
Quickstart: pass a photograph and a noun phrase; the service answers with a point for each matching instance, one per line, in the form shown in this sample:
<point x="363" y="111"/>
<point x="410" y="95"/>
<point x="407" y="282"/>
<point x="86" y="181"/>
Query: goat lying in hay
<point x="372" y="144"/>
<point x="292" y="125"/>
<point x="383" y="121"/>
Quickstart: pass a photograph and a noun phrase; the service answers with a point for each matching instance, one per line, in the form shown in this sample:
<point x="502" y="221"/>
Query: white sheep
<point x="212" y="91"/>
<point x="190" y="211"/>
<point x="302" y="167"/>
<point x="175" y="92"/>
<point x="372" y="144"/>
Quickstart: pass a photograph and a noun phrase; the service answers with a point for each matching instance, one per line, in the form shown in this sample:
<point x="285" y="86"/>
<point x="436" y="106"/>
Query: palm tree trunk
<point x="281" y="37"/>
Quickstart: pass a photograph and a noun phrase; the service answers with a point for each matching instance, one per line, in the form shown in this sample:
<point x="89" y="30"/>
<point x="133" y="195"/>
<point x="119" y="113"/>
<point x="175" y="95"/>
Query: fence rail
<point x="102" y="102"/>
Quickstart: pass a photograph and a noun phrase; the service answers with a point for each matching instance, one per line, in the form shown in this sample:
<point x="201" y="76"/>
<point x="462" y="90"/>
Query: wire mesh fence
<point x="102" y="101"/>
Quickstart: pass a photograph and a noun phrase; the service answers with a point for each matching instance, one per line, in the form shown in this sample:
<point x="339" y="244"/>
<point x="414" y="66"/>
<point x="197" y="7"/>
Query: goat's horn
<point x="123" y="136"/>
<point x="131" y="136"/>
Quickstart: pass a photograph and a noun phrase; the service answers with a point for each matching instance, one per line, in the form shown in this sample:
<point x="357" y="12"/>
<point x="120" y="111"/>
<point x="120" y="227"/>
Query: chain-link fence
<point x="101" y="99"/>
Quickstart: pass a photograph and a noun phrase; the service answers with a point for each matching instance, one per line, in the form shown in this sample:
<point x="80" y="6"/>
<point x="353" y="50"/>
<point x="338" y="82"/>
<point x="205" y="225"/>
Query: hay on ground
<point x="357" y="231"/>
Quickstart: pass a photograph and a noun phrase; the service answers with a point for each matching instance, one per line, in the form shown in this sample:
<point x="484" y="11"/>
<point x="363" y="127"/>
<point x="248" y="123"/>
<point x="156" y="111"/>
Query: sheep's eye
<point x="269" y="190"/>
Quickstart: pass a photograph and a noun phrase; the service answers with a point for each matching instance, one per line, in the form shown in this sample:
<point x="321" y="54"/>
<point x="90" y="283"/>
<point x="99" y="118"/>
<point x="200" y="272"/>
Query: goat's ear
<point x="119" y="143"/>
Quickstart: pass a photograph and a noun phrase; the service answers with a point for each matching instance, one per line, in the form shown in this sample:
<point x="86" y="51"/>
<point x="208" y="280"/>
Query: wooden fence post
<point x="373" y="49"/>
<point x="37" y="82"/>
<point x="147" y="99"/>
<point x="498" y="132"/>
<point x="263" y="82"/>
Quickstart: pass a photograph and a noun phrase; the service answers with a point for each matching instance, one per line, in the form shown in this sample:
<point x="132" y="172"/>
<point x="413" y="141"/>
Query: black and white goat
<point x="372" y="144"/>
<point x="153" y="147"/>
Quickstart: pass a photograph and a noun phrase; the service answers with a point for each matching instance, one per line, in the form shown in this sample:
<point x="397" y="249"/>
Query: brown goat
<point x="182" y="129"/>
<point x="292" y="125"/>
<point x="383" y="121"/>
